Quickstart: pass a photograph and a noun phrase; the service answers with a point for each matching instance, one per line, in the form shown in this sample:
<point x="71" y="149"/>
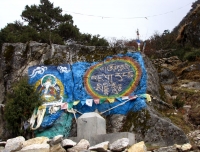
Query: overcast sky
<point x="110" y="18"/>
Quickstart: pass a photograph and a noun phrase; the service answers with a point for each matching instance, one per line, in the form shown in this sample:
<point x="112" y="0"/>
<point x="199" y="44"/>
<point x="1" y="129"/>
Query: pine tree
<point x="20" y="104"/>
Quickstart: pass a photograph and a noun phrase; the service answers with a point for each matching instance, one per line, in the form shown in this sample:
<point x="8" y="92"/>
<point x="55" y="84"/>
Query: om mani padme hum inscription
<point x="112" y="78"/>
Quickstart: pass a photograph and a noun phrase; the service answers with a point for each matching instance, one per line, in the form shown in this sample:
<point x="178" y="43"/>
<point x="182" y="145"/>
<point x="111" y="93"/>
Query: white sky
<point x="168" y="14"/>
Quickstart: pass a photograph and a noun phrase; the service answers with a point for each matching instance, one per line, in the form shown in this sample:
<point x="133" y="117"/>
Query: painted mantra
<point x="112" y="78"/>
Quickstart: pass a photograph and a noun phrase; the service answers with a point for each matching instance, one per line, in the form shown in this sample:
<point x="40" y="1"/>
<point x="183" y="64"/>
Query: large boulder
<point x="17" y="57"/>
<point x="153" y="129"/>
<point x="14" y="144"/>
<point x="167" y="76"/>
<point x="138" y="147"/>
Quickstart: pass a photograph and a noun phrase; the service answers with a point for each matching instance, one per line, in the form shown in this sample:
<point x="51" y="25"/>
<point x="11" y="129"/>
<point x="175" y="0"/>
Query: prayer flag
<point x="148" y="97"/>
<point x="96" y="101"/>
<point x="111" y="100"/>
<point x="41" y="107"/>
<point x="64" y="106"/>
<point x="102" y="100"/>
<point x="76" y="102"/>
<point x="89" y="102"/>
<point x="133" y="97"/>
<point x="125" y="97"/>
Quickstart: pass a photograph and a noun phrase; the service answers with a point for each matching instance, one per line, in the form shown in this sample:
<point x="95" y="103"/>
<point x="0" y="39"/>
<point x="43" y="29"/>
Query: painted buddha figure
<point x="49" y="90"/>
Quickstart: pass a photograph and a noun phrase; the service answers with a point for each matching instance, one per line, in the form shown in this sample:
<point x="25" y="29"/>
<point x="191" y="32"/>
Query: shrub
<point x="191" y="56"/>
<point x="178" y="103"/>
<point x="20" y="104"/>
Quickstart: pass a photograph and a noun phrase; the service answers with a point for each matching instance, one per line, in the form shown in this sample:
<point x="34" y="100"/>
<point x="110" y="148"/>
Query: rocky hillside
<point x="188" y="29"/>
<point x="181" y="85"/>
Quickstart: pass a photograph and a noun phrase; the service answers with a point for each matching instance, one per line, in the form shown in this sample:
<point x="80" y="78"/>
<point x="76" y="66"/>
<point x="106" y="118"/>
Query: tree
<point x="20" y="104"/>
<point x="46" y="24"/>
<point x="95" y="40"/>
<point x="17" y="32"/>
<point x="45" y="17"/>
<point x="50" y="23"/>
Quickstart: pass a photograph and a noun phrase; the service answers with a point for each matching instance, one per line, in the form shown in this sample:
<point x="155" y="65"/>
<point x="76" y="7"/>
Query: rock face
<point x="83" y="145"/>
<point x="37" y="140"/>
<point x="167" y="76"/>
<point x="153" y="129"/>
<point x="147" y="124"/>
<point x="189" y="31"/>
<point x="119" y="145"/>
<point x="153" y="85"/>
<point x="14" y="144"/>
<point x="139" y="147"/>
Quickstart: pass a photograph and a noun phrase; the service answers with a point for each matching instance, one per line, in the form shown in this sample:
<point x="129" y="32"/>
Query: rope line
<point x="111" y="17"/>
<point x="115" y="106"/>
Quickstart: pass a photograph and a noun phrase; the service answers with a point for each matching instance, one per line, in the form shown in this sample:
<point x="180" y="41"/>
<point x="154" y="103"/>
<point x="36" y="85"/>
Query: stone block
<point x="93" y="140"/>
<point x="90" y="124"/>
<point x="92" y="127"/>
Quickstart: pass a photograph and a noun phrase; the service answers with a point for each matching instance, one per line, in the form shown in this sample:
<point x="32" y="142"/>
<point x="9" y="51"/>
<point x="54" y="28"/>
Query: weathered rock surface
<point x="138" y="147"/>
<point x="192" y="85"/>
<point x="167" y="76"/>
<point x="37" y="140"/>
<point x="119" y="145"/>
<point x="81" y="146"/>
<point x="153" y="85"/>
<point x="195" y="136"/>
<point x="184" y="147"/>
<point x="103" y="147"/>
<point x="188" y="27"/>
<point x="33" y="147"/>
<point x="67" y="143"/>
<point x="115" y="123"/>
<point x="16" y="58"/>
<point x="14" y="144"/>
<point x="57" y="139"/>
<point x="153" y="129"/>
<point x="167" y="149"/>
<point x="57" y="148"/>
<point x="167" y="62"/>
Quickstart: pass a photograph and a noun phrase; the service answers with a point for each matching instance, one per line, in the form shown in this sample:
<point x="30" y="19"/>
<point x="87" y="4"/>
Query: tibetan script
<point x="112" y="78"/>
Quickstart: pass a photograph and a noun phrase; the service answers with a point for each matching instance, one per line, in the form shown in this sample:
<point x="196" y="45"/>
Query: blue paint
<point x="71" y="77"/>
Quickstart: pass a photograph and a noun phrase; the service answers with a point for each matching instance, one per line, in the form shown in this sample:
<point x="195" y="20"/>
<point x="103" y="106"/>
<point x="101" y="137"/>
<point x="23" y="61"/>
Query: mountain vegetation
<point x="47" y="24"/>
<point x="20" y="105"/>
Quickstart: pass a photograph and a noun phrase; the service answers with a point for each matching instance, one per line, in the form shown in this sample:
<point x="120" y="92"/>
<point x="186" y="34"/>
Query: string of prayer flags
<point x="111" y="100"/>
<point x="76" y="102"/>
<point x="89" y="102"/>
<point x="96" y="101"/>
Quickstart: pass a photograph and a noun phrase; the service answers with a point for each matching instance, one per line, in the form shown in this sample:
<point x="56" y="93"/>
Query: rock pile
<point x="176" y="148"/>
<point x="166" y="62"/>
<point x="195" y="136"/>
<point x="59" y="144"/>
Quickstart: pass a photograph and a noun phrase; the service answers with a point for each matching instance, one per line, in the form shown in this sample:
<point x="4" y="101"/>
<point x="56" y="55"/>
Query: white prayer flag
<point x="125" y="97"/>
<point x="89" y="102"/>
